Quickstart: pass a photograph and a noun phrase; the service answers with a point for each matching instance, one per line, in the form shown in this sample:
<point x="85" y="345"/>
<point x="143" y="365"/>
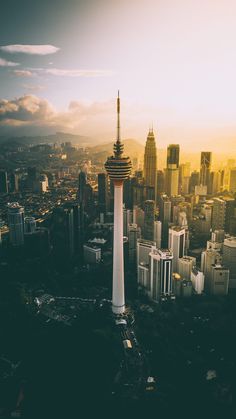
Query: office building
<point x="134" y="233"/>
<point x="197" y="278"/>
<point x="150" y="166"/>
<point x="149" y="216"/>
<point x="30" y="225"/>
<point x="157" y="233"/>
<point x="15" y="214"/>
<point x="218" y="214"/>
<point x="232" y="180"/>
<point x="172" y="170"/>
<point x="3" y="182"/>
<point x="164" y="204"/>
<point x="229" y="259"/>
<point x="118" y="168"/>
<point x="144" y="247"/>
<point x="92" y="253"/>
<point x="209" y="258"/>
<point x="185" y="266"/>
<point x="160" y="271"/>
<point x="176" y="244"/>
<point x="219" y="280"/>
<point x="205" y="168"/>
<point x="102" y="193"/>
<point x="127" y="219"/>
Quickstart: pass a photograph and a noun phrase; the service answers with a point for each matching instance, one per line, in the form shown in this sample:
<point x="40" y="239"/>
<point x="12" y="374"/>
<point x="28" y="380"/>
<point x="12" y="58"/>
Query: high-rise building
<point x="157" y="233"/>
<point x="150" y="165"/>
<point x="134" y="233"/>
<point x="176" y="244"/>
<point x="164" y="204"/>
<point x="185" y="266"/>
<point x="172" y="170"/>
<point x="205" y="168"/>
<point x="127" y="219"/>
<point x="92" y="253"/>
<point x="209" y="258"/>
<point x="16" y="223"/>
<point x="32" y="177"/>
<point x="63" y="233"/>
<point x="149" y="216"/>
<point x="30" y="225"/>
<point x="194" y="181"/>
<point x="232" y="180"/>
<point x="229" y="259"/>
<point x="197" y="278"/>
<point x="13" y="182"/>
<point x="3" y="182"/>
<point x="219" y="280"/>
<point x="144" y="247"/>
<point x="173" y="156"/>
<point x="230" y="205"/>
<point x="218" y="214"/>
<point x="102" y="192"/>
<point x="82" y="185"/>
<point x="118" y="168"/>
<point x="160" y="270"/>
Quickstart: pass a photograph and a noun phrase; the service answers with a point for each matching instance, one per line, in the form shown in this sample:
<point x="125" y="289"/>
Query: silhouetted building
<point x="3" y="182"/>
<point x="16" y="223"/>
<point x="205" y="168"/>
<point x="150" y="166"/>
<point x="149" y="216"/>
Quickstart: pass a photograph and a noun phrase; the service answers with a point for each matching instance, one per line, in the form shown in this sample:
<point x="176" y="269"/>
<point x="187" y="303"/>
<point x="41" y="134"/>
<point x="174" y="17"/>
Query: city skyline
<point x="63" y="75"/>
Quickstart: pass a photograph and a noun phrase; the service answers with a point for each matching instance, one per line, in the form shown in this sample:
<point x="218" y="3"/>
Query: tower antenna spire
<point x="118" y="117"/>
<point x="118" y="146"/>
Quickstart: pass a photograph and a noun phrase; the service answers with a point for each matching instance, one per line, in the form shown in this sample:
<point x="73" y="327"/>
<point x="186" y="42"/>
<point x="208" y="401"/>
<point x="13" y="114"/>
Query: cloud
<point x="26" y="109"/>
<point x="30" y="49"/>
<point x="78" y="72"/>
<point x="5" y="63"/>
<point x="23" y="73"/>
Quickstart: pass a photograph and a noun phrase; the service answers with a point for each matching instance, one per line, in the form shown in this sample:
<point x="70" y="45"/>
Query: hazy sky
<point x="174" y="61"/>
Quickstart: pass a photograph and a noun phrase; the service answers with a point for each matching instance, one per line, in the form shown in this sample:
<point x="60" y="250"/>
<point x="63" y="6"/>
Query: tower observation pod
<point x="118" y="168"/>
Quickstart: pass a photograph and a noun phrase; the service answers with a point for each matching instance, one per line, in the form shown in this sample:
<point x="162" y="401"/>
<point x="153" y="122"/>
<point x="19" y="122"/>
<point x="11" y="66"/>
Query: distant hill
<point x="59" y="137"/>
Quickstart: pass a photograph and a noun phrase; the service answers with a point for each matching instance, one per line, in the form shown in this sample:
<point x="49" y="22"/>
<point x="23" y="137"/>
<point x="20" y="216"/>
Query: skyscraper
<point x="172" y="170"/>
<point x="218" y="214"/>
<point x="160" y="268"/>
<point x="3" y="182"/>
<point x="16" y="223"/>
<point x="102" y="192"/>
<point x="149" y="214"/>
<point x="173" y="156"/>
<point x="150" y="165"/>
<point x="176" y="244"/>
<point x="118" y="168"/>
<point x="205" y="168"/>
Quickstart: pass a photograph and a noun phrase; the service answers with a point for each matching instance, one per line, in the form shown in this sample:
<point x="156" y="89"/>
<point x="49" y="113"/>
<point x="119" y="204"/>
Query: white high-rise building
<point x="176" y="244"/>
<point x="197" y="278"/>
<point x="16" y="223"/>
<point x="144" y="247"/>
<point x="160" y="271"/>
<point x="157" y="233"/>
<point x="118" y="168"/>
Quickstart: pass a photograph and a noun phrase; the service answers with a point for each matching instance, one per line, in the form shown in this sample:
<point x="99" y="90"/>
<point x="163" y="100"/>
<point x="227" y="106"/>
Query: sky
<point x="174" y="62"/>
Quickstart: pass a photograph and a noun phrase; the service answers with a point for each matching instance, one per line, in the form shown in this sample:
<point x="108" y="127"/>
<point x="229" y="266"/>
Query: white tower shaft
<point x="118" y="295"/>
